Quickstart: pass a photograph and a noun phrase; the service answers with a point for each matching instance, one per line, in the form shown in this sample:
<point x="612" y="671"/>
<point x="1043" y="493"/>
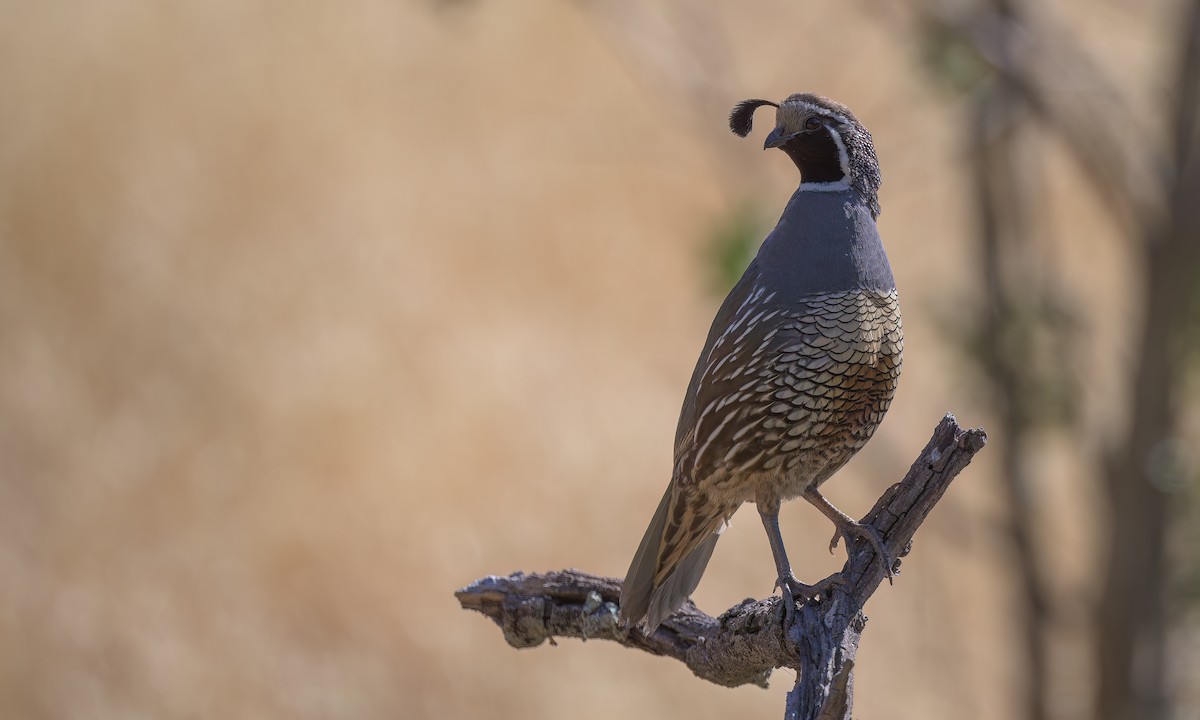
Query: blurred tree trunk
<point x="999" y="175"/>
<point x="1159" y="203"/>
<point x="1132" y="622"/>
<point x="1002" y="220"/>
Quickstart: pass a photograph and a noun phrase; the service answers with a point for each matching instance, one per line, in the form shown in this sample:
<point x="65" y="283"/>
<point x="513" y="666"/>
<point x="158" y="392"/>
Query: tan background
<point x="312" y="314"/>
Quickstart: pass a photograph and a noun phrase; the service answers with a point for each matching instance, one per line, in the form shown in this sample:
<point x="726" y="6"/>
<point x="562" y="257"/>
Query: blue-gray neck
<point x="825" y="242"/>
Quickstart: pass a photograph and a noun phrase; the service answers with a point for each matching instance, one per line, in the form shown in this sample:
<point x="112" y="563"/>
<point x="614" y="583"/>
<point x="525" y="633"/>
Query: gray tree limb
<point x="751" y="639"/>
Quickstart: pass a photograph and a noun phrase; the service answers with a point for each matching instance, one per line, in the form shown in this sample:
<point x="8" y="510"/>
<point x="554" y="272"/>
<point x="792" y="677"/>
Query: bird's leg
<point x="788" y="584"/>
<point x="849" y="527"/>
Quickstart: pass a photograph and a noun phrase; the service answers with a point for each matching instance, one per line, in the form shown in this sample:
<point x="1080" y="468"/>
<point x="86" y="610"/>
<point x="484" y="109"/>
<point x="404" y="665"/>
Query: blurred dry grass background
<point x="314" y="313"/>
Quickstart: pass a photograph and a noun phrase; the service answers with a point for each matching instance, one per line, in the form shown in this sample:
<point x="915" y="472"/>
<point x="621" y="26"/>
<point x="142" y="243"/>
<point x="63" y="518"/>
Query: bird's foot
<point x="851" y="529"/>
<point x="793" y="590"/>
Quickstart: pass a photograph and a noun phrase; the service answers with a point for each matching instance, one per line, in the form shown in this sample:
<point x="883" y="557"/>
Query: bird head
<point x="829" y="145"/>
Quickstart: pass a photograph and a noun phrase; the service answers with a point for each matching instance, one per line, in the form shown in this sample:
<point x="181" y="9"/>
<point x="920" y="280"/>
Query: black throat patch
<point x="816" y="155"/>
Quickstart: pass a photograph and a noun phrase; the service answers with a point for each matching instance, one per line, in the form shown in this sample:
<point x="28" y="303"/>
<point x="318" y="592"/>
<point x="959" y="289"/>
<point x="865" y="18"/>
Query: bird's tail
<point x="642" y="601"/>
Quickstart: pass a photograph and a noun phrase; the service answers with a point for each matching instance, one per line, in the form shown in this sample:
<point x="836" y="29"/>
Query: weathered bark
<point x="752" y="638"/>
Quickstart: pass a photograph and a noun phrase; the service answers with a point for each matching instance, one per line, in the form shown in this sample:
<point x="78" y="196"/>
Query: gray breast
<point x="824" y="242"/>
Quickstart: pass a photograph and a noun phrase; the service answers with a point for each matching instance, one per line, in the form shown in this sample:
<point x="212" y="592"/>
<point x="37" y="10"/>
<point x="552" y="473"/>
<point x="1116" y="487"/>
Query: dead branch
<point x="751" y="639"/>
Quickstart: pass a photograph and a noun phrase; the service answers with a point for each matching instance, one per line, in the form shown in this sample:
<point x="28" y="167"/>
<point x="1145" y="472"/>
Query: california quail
<point x="798" y="370"/>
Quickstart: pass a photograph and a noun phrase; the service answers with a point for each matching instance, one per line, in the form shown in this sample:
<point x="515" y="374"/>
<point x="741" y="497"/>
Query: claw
<point x="794" y="590"/>
<point x="848" y="526"/>
<point x="789" y="604"/>
<point x="871" y="535"/>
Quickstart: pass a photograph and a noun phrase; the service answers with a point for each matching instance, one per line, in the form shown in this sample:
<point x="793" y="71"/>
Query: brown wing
<point x="799" y="388"/>
<point x="714" y="410"/>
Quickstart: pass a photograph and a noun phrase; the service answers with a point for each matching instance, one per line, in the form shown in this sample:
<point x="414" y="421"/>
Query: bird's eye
<point x="812" y="123"/>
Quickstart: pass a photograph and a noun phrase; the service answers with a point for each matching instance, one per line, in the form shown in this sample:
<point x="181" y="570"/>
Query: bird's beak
<point x="778" y="137"/>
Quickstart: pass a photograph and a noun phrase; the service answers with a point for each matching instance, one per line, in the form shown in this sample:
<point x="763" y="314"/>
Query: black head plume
<point x="741" y="118"/>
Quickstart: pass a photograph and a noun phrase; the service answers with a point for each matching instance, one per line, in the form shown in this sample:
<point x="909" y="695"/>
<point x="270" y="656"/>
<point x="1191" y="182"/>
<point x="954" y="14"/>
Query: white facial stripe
<point x="822" y="111"/>
<point x="843" y="157"/>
